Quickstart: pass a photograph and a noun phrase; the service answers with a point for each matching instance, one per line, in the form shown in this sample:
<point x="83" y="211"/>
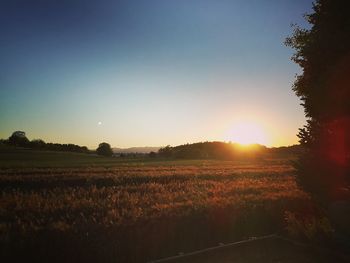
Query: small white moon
<point x="99" y="123"/>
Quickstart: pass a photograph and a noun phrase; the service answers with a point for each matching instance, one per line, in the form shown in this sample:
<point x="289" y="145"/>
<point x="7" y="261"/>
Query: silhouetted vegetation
<point x="104" y="149"/>
<point x="212" y="150"/>
<point x="323" y="53"/>
<point x="152" y="154"/>
<point x="19" y="139"/>
<point x="224" y="151"/>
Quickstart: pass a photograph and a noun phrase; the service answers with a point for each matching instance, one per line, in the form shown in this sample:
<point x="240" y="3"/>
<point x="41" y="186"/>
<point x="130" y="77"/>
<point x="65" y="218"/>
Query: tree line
<point x="223" y="151"/>
<point x="19" y="139"/>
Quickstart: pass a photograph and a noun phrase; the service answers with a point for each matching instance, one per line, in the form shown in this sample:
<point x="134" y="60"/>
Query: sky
<point x="149" y="73"/>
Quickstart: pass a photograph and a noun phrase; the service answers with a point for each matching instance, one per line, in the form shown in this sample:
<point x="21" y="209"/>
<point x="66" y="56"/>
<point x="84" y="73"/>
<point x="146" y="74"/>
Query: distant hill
<point x="136" y="150"/>
<point x="212" y="150"/>
<point x="223" y="150"/>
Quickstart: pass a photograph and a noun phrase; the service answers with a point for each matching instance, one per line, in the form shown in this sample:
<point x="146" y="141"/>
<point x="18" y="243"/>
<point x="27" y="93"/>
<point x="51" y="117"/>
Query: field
<point x="93" y="209"/>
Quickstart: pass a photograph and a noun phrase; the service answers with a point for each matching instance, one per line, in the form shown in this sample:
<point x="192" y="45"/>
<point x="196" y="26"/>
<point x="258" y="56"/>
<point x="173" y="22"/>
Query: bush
<point x="104" y="149"/>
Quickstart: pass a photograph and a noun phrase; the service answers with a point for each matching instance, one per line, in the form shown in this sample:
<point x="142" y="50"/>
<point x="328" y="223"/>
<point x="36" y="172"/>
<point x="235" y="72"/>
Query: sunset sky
<point x="149" y="73"/>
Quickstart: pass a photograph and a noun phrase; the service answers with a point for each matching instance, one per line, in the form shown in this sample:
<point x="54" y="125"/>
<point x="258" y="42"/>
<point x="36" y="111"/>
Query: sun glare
<point x="248" y="132"/>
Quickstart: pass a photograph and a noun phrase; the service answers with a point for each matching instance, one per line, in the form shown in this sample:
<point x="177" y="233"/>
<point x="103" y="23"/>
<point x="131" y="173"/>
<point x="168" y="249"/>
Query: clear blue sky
<point x="137" y="73"/>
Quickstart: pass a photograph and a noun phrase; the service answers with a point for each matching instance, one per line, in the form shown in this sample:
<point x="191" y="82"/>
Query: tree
<point x="104" y="149"/>
<point x="165" y="151"/>
<point x="18" y="138"/>
<point x="152" y="154"/>
<point x="323" y="53"/>
<point x="37" y="144"/>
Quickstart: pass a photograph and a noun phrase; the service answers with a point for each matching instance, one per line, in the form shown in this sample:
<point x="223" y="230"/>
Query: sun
<point x="248" y="132"/>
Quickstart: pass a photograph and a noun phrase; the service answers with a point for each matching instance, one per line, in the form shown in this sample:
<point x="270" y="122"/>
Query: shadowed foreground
<point x="272" y="248"/>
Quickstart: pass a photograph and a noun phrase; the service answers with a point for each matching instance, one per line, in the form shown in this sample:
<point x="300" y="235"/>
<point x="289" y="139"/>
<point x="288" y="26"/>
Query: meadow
<point x="94" y="209"/>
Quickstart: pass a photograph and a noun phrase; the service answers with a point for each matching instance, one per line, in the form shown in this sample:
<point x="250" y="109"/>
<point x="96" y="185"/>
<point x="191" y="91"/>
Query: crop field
<point x="132" y="212"/>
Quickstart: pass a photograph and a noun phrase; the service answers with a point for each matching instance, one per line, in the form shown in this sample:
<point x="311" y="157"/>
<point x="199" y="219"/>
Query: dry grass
<point x="223" y="199"/>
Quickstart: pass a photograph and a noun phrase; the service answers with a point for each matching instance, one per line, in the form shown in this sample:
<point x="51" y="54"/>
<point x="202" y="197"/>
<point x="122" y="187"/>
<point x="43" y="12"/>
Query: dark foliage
<point x="152" y="154"/>
<point x="66" y="147"/>
<point x="323" y="53"/>
<point x="212" y="150"/>
<point x="37" y="144"/>
<point x="19" y="139"/>
<point x="104" y="149"/>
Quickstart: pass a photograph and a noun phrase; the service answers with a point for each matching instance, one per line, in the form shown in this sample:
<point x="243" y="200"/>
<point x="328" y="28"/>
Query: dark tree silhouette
<point x="211" y="150"/>
<point x="152" y="154"/>
<point x="323" y="53"/>
<point x="37" y="144"/>
<point x="18" y="138"/>
<point x="165" y="151"/>
<point x="104" y="149"/>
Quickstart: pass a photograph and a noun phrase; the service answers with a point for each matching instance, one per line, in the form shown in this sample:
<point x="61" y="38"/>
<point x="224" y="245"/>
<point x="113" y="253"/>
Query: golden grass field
<point x="63" y="198"/>
<point x="137" y="211"/>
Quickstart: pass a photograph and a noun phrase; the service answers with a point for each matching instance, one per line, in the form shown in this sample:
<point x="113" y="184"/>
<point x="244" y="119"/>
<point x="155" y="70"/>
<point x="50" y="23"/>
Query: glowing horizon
<point x="248" y="132"/>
